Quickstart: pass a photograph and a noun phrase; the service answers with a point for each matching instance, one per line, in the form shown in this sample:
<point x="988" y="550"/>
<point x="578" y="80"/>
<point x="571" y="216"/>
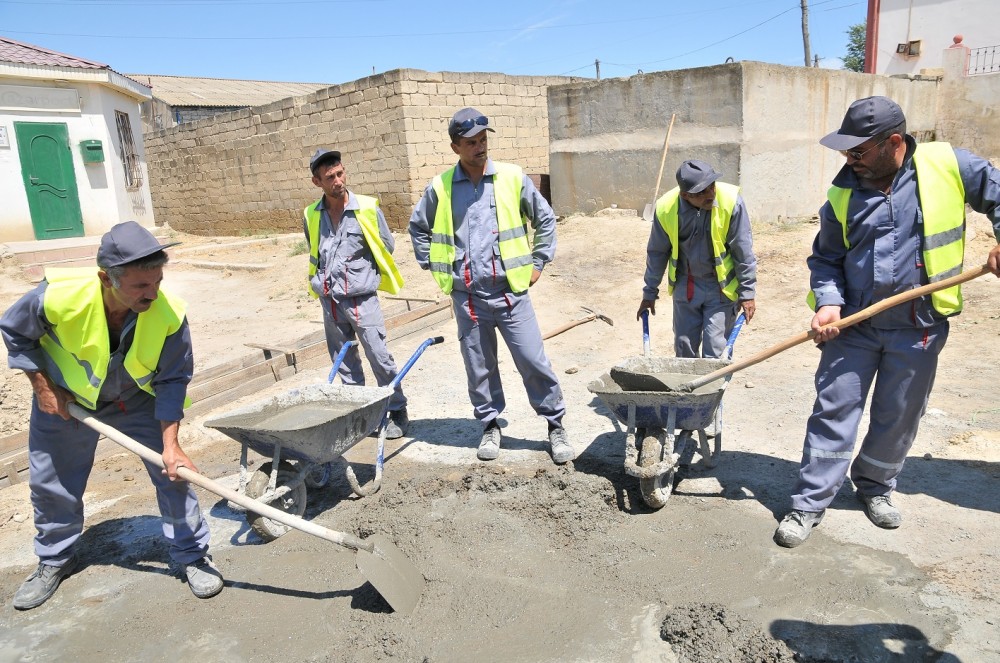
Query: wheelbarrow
<point x="304" y="431"/>
<point x="653" y="448"/>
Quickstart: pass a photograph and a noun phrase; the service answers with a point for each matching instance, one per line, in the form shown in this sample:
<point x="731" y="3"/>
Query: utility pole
<point x="597" y="65"/>
<point x="805" y="30"/>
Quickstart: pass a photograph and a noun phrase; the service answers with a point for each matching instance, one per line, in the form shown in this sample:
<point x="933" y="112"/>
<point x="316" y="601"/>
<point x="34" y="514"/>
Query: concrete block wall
<point x="759" y="124"/>
<point x="247" y="171"/>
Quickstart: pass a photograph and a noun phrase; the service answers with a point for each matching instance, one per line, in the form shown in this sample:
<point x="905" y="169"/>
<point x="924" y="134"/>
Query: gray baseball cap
<point x="694" y="176"/>
<point x="321" y="157"/>
<point x="865" y="119"/>
<point x="467" y="123"/>
<point x="127" y="242"/>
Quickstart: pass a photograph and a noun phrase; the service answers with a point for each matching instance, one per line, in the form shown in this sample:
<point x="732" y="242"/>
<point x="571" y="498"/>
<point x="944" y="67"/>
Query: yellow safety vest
<point x="78" y="342"/>
<point x="725" y="267"/>
<point x="515" y="252"/>
<point x="367" y="216"/>
<point x="942" y="202"/>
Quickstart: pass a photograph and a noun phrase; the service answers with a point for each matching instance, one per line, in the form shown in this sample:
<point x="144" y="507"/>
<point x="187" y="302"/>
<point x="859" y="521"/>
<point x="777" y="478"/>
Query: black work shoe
<point x="796" y="527"/>
<point x="203" y="578"/>
<point x="42" y="584"/>
<point x="398" y="422"/>
<point x="881" y="511"/>
<point x="559" y="446"/>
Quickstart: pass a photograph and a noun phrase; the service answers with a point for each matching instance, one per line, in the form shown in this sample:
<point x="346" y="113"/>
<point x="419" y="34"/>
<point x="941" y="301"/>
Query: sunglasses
<point x="857" y="156"/>
<point x="465" y="125"/>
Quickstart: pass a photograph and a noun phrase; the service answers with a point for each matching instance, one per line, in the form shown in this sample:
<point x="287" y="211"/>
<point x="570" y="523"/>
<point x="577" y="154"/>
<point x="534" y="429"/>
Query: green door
<point x="49" y="180"/>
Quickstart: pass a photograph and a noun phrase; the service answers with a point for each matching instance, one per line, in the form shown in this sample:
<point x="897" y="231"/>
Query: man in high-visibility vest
<point x="700" y="240"/>
<point x="350" y="259"/>
<point x="470" y="229"/>
<point x="894" y="221"/>
<point x="113" y="342"/>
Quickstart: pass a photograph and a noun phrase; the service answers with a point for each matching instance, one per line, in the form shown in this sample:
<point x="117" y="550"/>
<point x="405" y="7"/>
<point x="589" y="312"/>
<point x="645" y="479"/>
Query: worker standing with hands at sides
<point x="470" y="230"/>
<point x="350" y="259"/>
<point x="112" y="341"/>
<point x="700" y="239"/>
<point x="894" y="220"/>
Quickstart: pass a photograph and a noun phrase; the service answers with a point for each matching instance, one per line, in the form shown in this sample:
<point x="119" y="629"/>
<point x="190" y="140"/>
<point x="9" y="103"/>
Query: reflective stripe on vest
<point x="941" y="194"/>
<point x="515" y="252"/>
<point x="367" y="216"/>
<point x="722" y="213"/>
<point x="78" y="342"/>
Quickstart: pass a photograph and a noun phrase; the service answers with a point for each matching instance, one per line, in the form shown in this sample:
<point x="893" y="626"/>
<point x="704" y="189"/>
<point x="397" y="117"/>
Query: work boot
<point x="398" y="422"/>
<point x="203" y="578"/>
<point x="489" y="445"/>
<point x="559" y="446"/>
<point x="796" y="527"/>
<point x="881" y="511"/>
<point x="42" y="584"/>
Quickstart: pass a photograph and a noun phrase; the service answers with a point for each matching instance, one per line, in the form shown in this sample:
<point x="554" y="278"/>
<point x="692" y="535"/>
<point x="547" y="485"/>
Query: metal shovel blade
<point x="647" y="212"/>
<point x="391" y="573"/>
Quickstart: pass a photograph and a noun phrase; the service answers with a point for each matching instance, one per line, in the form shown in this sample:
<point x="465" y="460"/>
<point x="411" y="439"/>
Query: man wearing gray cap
<point x="701" y="240"/>
<point x="882" y="232"/>
<point x="470" y="230"/>
<point x="350" y="260"/>
<point x="113" y="342"/>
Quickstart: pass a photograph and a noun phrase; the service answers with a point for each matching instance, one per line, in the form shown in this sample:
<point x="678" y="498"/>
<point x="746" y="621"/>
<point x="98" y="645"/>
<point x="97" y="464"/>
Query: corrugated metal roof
<point x="191" y="91"/>
<point x="15" y="51"/>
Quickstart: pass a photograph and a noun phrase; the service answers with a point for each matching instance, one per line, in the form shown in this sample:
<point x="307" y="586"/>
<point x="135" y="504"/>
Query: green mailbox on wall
<point x="92" y="150"/>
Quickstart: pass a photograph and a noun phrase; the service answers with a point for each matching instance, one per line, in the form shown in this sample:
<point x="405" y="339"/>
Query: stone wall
<point x="247" y="171"/>
<point x="967" y="109"/>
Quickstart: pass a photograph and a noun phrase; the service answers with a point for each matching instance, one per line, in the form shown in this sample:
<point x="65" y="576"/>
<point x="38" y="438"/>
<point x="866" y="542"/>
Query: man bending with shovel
<point x="894" y="221"/>
<point x="113" y="342"/>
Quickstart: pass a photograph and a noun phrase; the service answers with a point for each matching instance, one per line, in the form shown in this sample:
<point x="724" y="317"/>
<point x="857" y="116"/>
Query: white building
<point x="910" y="36"/>
<point x="72" y="162"/>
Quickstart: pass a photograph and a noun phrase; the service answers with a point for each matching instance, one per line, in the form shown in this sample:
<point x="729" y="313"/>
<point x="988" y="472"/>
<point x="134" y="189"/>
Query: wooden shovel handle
<point x="569" y="325"/>
<point x="663" y="159"/>
<point x="197" y="479"/>
<point x="852" y="319"/>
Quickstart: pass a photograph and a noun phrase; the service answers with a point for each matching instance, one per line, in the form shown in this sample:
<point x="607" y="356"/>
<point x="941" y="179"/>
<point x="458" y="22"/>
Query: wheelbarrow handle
<point x="645" y="332"/>
<point x="737" y="326"/>
<point x="340" y="359"/>
<point x="413" y="359"/>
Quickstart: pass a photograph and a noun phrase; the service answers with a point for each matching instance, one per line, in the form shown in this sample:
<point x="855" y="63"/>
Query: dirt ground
<point x="524" y="560"/>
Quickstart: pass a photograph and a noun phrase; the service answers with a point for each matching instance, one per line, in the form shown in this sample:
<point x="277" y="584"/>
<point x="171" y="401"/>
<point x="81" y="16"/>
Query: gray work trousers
<point x="902" y="364"/>
<point x="360" y="318"/>
<point x="60" y="458"/>
<point x="703" y="318"/>
<point x="513" y="316"/>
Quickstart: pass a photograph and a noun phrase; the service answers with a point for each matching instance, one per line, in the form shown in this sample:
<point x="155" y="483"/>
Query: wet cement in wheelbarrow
<point x="665" y="382"/>
<point x="291" y="417"/>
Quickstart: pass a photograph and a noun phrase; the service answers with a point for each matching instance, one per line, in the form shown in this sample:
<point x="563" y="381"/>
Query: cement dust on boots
<point x="881" y="511"/>
<point x="42" y="584"/>
<point x="559" y="446"/>
<point x="398" y="422"/>
<point x="796" y="527"/>
<point x="203" y="577"/>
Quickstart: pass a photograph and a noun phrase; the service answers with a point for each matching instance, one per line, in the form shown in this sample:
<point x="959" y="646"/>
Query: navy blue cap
<point x="467" y="123"/>
<point x="321" y="157"/>
<point x="694" y="176"/>
<point x="127" y="242"/>
<point x="865" y="119"/>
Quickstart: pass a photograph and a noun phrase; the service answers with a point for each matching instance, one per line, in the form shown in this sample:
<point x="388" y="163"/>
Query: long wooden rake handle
<point x="853" y="319"/>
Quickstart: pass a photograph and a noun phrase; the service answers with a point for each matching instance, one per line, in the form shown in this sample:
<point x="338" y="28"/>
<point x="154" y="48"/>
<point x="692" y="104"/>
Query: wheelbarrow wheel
<point x="655" y="491"/>
<point x="292" y="502"/>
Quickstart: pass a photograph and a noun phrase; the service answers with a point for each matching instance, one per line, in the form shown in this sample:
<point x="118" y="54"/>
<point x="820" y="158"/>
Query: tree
<point x="855" y="58"/>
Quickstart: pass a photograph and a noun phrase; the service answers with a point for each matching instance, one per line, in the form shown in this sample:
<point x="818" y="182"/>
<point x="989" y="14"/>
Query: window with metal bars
<point x="130" y="158"/>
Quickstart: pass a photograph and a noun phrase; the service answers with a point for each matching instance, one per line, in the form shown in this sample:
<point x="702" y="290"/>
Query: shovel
<point x="379" y="560"/>
<point x="855" y="318"/>
<point x="647" y="212"/>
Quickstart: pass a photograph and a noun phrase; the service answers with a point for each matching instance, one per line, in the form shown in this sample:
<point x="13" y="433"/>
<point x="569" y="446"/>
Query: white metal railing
<point x="984" y="60"/>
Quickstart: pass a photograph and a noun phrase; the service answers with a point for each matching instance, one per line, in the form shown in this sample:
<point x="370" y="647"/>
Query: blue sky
<point x="334" y="41"/>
